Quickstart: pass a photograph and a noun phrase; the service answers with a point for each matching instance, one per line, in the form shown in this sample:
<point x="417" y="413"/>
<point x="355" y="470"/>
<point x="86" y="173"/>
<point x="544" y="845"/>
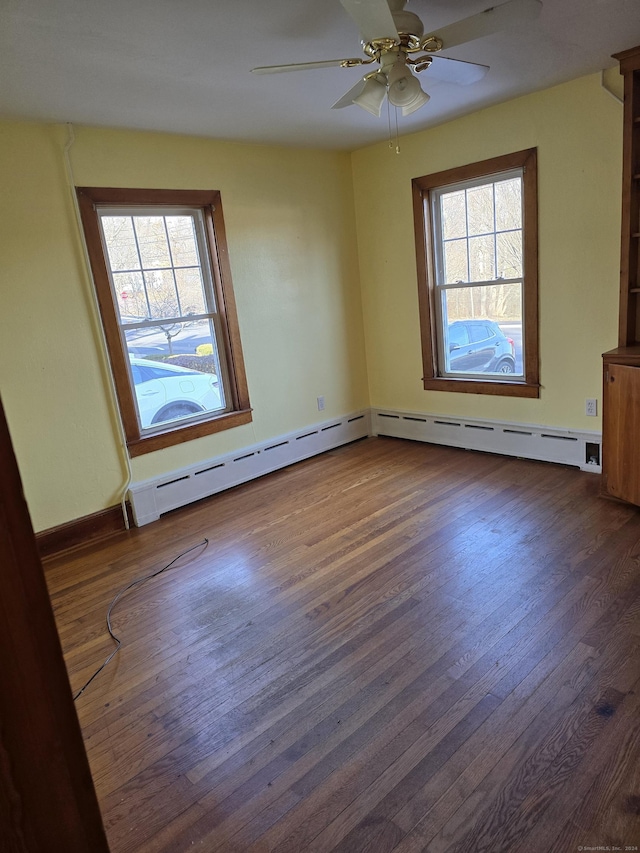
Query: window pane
<point x="191" y="291"/>
<point x="182" y="241"/>
<point x="480" y="209"/>
<point x="152" y="241"/>
<point x="130" y="296"/>
<point x="509" y="247"/>
<point x="481" y="234"/>
<point x="454" y="215"/>
<point x="481" y="258"/>
<point x="455" y="261"/>
<point x="162" y="294"/>
<point x="121" y="243"/>
<point x="175" y="372"/>
<point x="171" y="281"/>
<point x="490" y="317"/>
<point x="509" y="204"/>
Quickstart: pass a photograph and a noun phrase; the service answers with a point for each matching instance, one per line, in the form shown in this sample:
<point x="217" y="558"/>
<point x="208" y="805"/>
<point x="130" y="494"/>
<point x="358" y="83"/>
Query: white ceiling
<point x="183" y="65"/>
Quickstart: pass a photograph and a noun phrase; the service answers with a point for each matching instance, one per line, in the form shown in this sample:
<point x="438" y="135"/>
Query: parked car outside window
<point x="165" y="392"/>
<point x="478" y="346"/>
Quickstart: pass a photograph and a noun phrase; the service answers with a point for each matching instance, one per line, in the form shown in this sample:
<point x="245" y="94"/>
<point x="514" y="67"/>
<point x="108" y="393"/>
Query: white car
<point x="165" y="392"/>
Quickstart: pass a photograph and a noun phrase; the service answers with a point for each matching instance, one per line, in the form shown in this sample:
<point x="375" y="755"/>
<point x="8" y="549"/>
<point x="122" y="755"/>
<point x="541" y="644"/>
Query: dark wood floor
<point x="393" y="646"/>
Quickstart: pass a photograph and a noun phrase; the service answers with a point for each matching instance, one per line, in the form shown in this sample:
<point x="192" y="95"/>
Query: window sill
<point x="178" y="435"/>
<point x="479" y="386"/>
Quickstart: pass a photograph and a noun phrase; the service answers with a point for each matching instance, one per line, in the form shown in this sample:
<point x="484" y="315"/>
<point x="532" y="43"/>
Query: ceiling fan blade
<point x="373" y="18"/>
<point x="490" y="21"/>
<point x="347" y="99"/>
<point x="305" y="66"/>
<point x="455" y="70"/>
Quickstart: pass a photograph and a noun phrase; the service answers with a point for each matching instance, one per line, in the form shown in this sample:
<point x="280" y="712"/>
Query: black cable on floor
<point x="119" y="595"/>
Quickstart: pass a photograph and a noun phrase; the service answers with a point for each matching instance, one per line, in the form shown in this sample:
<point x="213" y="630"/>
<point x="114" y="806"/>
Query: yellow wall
<point x="291" y="235"/>
<point x="577" y="128"/>
<point x="323" y="263"/>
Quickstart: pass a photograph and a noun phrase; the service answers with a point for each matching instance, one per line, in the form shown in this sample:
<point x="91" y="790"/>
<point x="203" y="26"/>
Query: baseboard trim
<point x="527" y="441"/>
<point x="80" y="531"/>
<point x="153" y="497"/>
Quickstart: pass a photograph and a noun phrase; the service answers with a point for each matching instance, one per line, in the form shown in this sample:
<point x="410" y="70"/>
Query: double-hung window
<point x="160" y="266"/>
<point x="476" y="240"/>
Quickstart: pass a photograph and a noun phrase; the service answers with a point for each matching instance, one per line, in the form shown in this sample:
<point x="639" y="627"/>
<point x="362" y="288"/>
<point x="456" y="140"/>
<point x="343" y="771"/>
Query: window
<point x="476" y="242"/>
<point x="160" y="267"/>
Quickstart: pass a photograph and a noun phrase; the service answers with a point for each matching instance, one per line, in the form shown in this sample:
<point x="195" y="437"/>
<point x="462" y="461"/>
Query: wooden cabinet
<point x="621" y="395"/>
<point x="621" y="424"/>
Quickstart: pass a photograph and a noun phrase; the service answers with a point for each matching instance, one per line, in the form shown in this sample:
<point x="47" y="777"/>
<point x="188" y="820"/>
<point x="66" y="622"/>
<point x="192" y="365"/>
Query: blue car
<point x="479" y="346"/>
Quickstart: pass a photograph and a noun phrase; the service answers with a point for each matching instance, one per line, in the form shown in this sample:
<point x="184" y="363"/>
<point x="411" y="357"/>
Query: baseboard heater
<point x="151" y="498"/>
<point x="566" y="447"/>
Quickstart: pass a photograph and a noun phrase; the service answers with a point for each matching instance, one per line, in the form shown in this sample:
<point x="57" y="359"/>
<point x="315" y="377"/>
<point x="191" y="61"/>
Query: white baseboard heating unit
<point x="150" y="498"/>
<point x="547" y="444"/>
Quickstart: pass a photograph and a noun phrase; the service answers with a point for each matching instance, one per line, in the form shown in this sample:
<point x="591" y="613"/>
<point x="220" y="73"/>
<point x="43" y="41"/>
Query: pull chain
<point x="393" y="144"/>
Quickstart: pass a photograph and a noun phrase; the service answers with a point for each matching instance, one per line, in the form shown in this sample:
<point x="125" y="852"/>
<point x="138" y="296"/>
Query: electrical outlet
<point x="591" y="407"/>
<point x="321" y="404"/>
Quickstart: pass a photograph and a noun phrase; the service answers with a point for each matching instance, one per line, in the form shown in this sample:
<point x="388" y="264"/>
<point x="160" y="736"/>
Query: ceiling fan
<point x="394" y="39"/>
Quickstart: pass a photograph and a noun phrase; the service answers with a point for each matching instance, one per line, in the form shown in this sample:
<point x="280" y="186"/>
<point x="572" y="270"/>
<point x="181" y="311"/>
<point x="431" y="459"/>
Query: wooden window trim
<point x="209" y="201"/>
<point x="530" y="387"/>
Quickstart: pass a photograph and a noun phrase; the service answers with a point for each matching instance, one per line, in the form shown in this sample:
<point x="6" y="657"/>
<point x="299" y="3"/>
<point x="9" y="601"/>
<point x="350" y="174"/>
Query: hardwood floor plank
<point x="543" y="693"/>
<point x="354" y="827"/>
<point x="600" y="808"/>
<point x="489" y="817"/>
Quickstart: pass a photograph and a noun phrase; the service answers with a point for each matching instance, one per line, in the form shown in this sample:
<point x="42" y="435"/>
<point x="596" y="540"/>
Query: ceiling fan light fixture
<point x="372" y="96"/>
<point x="419" y="101"/>
<point x="404" y="88"/>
